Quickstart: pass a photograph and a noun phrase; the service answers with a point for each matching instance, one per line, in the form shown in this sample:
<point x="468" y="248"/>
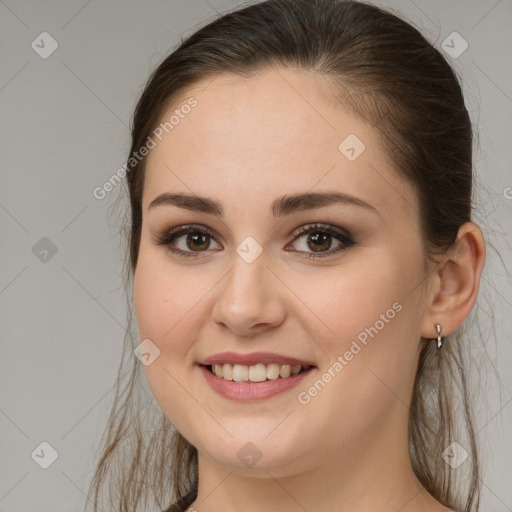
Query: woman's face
<point x="348" y="297"/>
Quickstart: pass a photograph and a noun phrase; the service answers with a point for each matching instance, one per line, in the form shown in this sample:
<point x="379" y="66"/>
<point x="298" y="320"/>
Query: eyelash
<point x="168" y="237"/>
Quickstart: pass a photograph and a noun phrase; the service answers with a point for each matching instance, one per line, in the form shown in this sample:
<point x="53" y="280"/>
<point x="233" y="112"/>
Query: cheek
<point x="346" y="301"/>
<point x="367" y="315"/>
<point x="170" y="309"/>
<point x="164" y="295"/>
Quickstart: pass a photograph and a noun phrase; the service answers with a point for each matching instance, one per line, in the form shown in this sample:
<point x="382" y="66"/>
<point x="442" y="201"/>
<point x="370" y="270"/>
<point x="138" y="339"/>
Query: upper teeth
<point x="256" y="373"/>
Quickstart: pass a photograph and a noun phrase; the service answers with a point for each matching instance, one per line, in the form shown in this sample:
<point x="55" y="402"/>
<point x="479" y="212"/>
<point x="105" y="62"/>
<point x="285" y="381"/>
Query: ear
<point x="456" y="283"/>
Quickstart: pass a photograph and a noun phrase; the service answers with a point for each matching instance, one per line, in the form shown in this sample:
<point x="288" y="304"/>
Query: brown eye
<point x="317" y="240"/>
<point x="186" y="240"/>
<point x="197" y="241"/>
<point x="190" y="241"/>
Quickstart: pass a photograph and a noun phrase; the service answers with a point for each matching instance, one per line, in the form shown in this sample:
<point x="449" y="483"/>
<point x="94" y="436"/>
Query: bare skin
<point x="246" y="143"/>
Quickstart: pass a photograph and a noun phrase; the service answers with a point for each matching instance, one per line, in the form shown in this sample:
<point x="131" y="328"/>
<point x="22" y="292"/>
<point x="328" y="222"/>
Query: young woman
<point x="302" y="258"/>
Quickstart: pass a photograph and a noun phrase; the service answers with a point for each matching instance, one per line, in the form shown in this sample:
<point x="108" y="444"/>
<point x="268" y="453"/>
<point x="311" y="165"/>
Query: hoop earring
<point x="439" y="338"/>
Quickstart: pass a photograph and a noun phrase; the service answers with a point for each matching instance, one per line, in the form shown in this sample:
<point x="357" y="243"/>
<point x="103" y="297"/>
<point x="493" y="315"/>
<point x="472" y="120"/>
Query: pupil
<point x="197" y="236"/>
<point x="319" y="241"/>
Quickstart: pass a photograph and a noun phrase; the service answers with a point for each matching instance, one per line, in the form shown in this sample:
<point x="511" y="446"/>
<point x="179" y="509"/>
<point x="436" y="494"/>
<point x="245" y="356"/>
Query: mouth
<point x="257" y="373"/>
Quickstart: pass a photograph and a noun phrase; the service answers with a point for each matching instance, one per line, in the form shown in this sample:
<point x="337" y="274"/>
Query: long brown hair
<point x="383" y="69"/>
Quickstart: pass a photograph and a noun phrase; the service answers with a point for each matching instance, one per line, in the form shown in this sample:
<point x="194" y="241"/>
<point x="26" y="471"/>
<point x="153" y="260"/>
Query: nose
<point x="250" y="298"/>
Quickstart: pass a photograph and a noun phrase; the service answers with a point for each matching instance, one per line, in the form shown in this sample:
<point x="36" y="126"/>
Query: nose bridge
<point x="247" y="297"/>
<point x="245" y="285"/>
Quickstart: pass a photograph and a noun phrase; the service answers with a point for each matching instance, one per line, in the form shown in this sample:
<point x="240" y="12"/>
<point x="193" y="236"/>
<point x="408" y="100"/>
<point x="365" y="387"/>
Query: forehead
<point x="272" y="133"/>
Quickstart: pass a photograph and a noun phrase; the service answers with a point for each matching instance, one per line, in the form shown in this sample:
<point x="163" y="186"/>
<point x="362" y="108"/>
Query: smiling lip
<point x="252" y="391"/>
<point x="253" y="358"/>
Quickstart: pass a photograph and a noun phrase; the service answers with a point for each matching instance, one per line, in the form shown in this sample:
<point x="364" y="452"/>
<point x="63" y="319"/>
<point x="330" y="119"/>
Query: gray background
<point x="64" y="131"/>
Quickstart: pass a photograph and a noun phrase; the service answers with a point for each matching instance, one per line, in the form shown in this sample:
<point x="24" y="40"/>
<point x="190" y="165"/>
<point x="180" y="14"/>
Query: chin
<point x="254" y="453"/>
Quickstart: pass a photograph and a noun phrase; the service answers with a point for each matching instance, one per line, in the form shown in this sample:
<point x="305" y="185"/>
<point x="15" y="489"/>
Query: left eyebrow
<point x="290" y="204"/>
<point x="281" y="207"/>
